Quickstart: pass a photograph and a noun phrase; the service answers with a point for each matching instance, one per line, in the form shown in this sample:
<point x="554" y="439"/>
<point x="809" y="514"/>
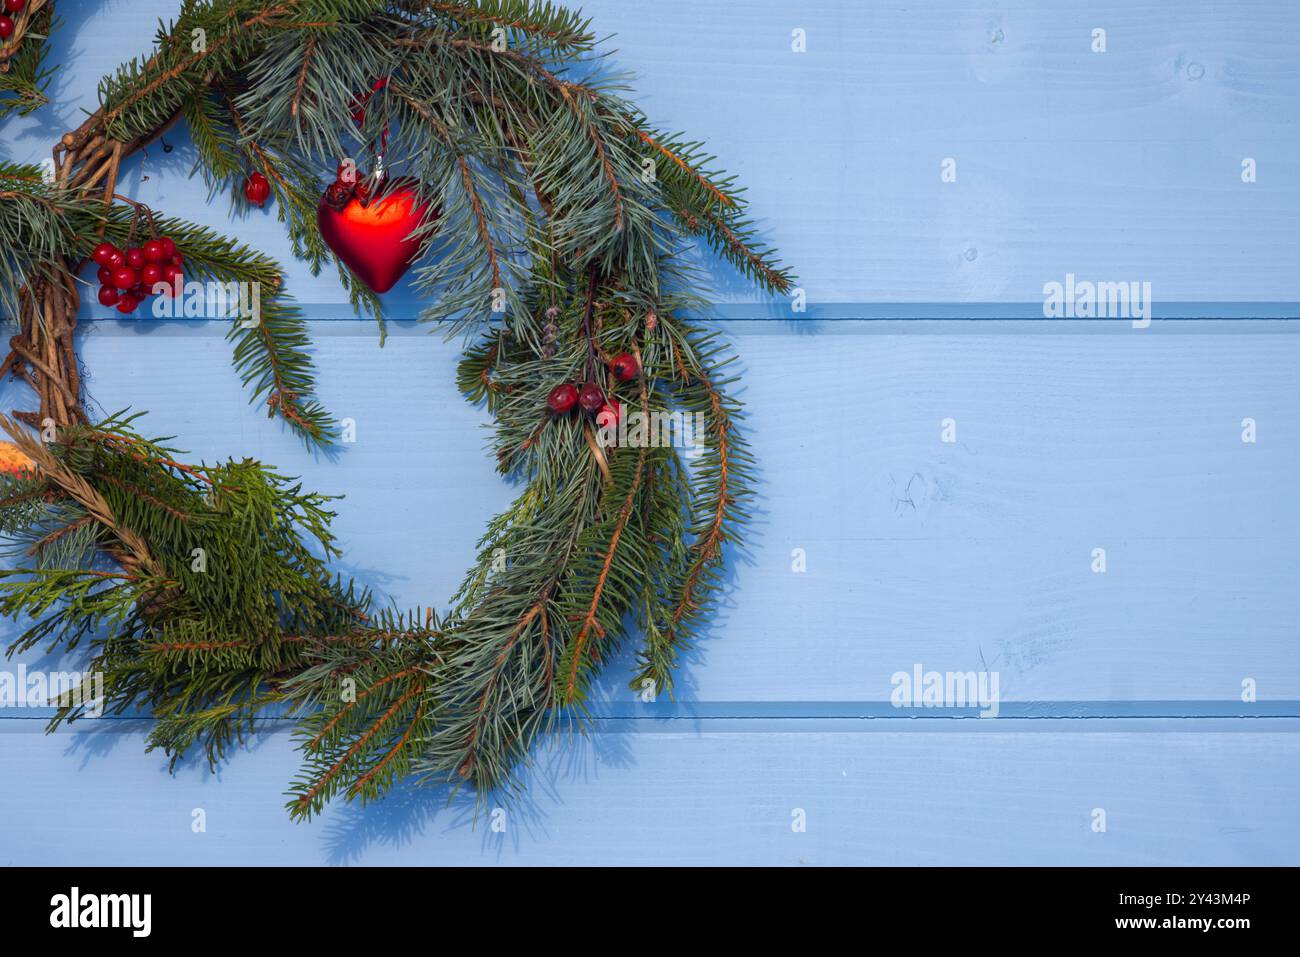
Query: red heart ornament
<point x="374" y="239"/>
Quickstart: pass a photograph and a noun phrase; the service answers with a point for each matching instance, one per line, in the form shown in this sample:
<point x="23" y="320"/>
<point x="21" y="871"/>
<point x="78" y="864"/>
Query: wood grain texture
<point x="647" y="797"/>
<point x="1124" y="165"/>
<point x="956" y="556"/>
<point x="1118" y="165"/>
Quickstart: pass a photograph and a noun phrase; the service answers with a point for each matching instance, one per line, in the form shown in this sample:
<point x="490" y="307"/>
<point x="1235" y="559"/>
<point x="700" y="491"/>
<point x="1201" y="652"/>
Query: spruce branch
<point x="579" y="659"/>
<point x="543" y="28"/>
<point x="203" y="625"/>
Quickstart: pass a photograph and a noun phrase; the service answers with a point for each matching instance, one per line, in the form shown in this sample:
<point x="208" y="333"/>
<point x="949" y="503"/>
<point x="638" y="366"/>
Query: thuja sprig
<point x="205" y="587"/>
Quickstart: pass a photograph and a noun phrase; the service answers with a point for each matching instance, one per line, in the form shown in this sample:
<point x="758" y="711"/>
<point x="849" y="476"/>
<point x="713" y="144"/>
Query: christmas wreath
<point x="483" y="144"/>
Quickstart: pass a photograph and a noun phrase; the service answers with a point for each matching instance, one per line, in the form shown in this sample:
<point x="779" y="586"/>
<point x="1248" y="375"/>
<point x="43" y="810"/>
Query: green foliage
<point x="578" y="562"/>
<point x="23" y="84"/>
<point x="209" y="38"/>
<point x="226" y="603"/>
<point x="706" y="202"/>
<point x="520" y="160"/>
<point x="271" y="350"/>
<point x="552" y="250"/>
<point x="367" y="706"/>
<point x="543" y="29"/>
<point x="39" y="225"/>
<point x="42" y="225"/>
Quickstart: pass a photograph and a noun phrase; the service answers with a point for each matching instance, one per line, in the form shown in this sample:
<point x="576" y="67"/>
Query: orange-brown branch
<point x="738" y="246"/>
<point x="338" y="765"/>
<point x="315" y="741"/>
<point x="307" y="54"/>
<point x="589" y="622"/>
<point x="481" y="218"/>
<point x="194" y="59"/>
<point x="699" y="177"/>
<point x="360" y="782"/>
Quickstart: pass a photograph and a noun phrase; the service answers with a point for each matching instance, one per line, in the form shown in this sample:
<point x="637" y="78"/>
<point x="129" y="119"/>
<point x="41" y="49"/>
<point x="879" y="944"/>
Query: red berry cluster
<point x="7" y="26"/>
<point x="590" y="397"/>
<point x="127" y="277"/>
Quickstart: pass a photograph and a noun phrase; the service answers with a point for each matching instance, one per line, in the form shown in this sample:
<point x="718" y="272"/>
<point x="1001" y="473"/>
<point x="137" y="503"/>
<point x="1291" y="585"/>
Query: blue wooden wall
<point x="1120" y="691"/>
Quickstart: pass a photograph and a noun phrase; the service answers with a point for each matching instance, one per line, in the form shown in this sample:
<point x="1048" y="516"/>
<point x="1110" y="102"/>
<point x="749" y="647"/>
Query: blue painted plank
<point x="972" y="554"/>
<point x="1124" y="165"/>
<point x="1115" y="166"/>
<point x="1121" y="165"/>
<point x="1177" y="797"/>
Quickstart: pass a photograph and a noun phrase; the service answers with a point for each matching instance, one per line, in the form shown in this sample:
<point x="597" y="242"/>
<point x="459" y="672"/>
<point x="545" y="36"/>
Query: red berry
<point x="135" y="257"/>
<point x="168" y="248"/>
<point x="14" y="6"/>
<point x="607" y="417"/>
<point x="116" y="259"/>
<point x="108" y="296"/>
<point x="6" y="28"/>
<point x="592" y="397"/>
<point x="127" y="304"/>
<point x="169" y="276"/>
<point x="625" y="367"/>
<point x="125" y="278"/>
<point x="138" y="291"/>
<point x="257" y="189"/>
<point x="105" y="276"/>
<point x="151" y="274"/>
<point x="177" y="258"/>
<point x="562" y="398"/>
<point x="103" y="252"/>
<point x="153" y="251"/>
